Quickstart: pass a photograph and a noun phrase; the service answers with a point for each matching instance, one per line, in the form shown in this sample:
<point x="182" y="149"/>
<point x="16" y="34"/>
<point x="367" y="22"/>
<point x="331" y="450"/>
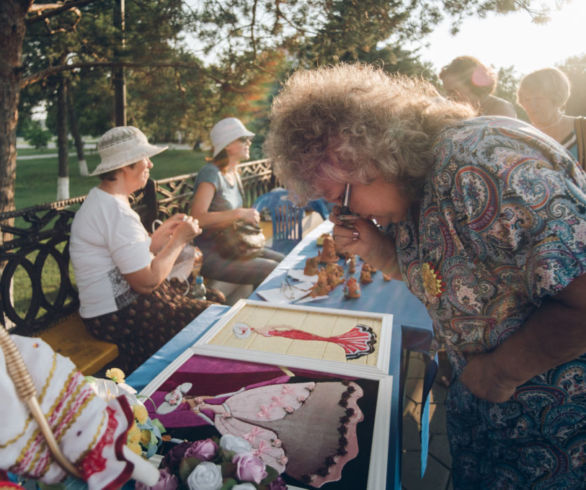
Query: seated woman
<point x="544" y="94"/>
<point x="120" y="270"/>
<point x="217" y="203"/>
<point x="467" y="80"/>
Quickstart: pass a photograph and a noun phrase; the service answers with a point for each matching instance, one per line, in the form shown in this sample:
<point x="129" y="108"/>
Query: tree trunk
<point x="74" y="129"/>
<point x="118" y="79"/>
<point x="12" y="31"/>
<point x="63" y="179"/>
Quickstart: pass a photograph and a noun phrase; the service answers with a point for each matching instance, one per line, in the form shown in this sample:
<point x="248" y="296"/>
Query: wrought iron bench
<point x="38" y="296"/>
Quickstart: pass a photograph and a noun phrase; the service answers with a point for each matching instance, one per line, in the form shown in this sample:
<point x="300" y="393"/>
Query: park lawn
<point x="36" y="179"/>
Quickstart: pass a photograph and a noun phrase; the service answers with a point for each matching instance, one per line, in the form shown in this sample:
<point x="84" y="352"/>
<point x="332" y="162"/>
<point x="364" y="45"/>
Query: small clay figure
<point x="365" y="277"/>
<point x="311" y="266"/>
<point x="335" y="273"/>
<point x="320" y="239"/>
<point x="321" y="287"/>
<point x="369" y="268"/>
<point x="352" y="288"/>
<point x="328" y="254"/>
<point x="352" y="265"/>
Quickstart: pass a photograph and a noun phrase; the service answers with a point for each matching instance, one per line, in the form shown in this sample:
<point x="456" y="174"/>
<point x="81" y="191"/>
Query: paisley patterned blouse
<point x="502" y="224"/>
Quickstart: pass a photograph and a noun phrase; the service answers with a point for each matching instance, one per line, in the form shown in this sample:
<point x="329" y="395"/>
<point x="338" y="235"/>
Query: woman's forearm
<point x="148" y="279"/>
<point x="216" y="219"/>
<point x="554" y="334"/>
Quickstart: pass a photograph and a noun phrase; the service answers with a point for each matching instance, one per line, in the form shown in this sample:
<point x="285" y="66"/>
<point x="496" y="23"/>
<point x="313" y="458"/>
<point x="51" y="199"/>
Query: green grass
<point x="36" y="179"/>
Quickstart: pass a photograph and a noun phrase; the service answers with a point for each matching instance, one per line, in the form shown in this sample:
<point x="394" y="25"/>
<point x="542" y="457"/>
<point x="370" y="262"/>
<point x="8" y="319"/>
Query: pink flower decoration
<point x="286" y="390"/>
<point x="263" y="447"/>
<point x="252" y="435"/>
<point x="264" y="412"/>
<point x="249" y="468"/>
<point x="481" y="77"/>
<point x="204" y="450"/>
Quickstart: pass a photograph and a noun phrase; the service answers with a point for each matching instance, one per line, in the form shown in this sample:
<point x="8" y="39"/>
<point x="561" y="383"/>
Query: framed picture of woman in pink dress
<point x="317" y="423"/>
<point x="326" y="334"/>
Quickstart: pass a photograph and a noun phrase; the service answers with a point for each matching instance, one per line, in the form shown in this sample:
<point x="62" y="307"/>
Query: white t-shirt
<point x="107" y="241"/>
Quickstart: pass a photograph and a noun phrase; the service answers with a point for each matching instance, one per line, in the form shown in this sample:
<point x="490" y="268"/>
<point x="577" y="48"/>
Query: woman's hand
<point x="162" y="234"/>
<point x="250" y="215"/>
<point x="484" y="381"/>
<point x="186" y="229"/>
<point x="362" y="237"/>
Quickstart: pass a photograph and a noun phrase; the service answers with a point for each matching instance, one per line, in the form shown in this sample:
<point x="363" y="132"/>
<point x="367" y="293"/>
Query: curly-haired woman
<point x="485" y="220"/>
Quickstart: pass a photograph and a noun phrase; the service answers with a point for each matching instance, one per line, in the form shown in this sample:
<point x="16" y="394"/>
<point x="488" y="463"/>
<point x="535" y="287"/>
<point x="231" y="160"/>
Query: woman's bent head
<point x="355" y="123"/>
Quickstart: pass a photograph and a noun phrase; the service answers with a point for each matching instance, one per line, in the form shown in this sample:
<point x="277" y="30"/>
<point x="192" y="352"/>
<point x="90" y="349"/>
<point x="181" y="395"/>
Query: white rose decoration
<point x="205" y="476"/>
<point x="236" y="444"/>
<point x="244" y="486"/>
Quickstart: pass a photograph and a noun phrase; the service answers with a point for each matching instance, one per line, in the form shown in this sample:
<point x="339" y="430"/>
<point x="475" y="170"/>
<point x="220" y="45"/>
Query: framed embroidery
<point x="360" y="339"/>
<point x="321" y="423"/>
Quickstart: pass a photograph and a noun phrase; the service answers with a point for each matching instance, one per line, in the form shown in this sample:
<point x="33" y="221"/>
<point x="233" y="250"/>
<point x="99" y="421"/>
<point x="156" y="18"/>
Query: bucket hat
<point x="122" y="146"/>
<point x="226" y="131"/>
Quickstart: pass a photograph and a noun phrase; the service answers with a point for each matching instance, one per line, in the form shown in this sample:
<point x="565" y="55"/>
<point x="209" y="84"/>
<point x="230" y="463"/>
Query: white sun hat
<point x="122" y="146"/>
<point x="226" y="131"/>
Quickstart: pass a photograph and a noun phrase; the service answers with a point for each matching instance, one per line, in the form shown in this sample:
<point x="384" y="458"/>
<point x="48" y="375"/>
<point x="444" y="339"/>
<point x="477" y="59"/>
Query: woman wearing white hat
<point x="120" y="270"/>
<point x="218" y="202"/>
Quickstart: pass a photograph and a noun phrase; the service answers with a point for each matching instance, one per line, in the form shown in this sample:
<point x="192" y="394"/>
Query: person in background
<point x="544" y="94"/>
<point x="218" y="202"/>
<point x="485" y="220"/>
<point x="467" y="80"/>
<point x="120" y="270"/>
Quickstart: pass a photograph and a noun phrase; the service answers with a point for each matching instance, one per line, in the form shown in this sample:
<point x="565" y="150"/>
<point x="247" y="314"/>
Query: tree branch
<point x="53" y="70"/>
<point x="51" y="9"/>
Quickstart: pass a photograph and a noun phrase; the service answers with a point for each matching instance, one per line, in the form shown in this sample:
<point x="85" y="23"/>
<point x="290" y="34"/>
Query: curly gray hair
<point x="352" y="123"/>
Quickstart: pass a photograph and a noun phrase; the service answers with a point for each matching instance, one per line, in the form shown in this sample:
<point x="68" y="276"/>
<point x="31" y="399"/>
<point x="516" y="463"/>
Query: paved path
<point x="439" y="462"/>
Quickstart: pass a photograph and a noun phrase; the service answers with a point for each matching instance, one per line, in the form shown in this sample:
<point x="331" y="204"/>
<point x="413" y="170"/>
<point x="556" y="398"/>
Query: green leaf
<point x="229" y="483"/>
<point x="187" y="466"/>
<point x="272" y="474"/>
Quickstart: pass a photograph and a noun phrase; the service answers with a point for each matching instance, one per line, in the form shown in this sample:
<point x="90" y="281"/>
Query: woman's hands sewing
<point x="362" y="237"/>
<point x="167" y="242"/>
<point x="180" y="226"/>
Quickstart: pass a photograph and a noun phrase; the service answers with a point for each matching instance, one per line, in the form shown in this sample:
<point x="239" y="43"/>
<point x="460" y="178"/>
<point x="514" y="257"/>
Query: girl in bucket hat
<point x="120" y="270"/>
<point x="218" y="203"/>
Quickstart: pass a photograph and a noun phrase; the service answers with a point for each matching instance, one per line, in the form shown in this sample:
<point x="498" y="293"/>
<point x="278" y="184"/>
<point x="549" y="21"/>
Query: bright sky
<point x="513" y="40"/>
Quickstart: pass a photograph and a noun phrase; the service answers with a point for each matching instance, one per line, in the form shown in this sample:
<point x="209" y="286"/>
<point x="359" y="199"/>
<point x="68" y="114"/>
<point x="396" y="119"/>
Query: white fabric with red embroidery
<point x="90" y="432"/>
